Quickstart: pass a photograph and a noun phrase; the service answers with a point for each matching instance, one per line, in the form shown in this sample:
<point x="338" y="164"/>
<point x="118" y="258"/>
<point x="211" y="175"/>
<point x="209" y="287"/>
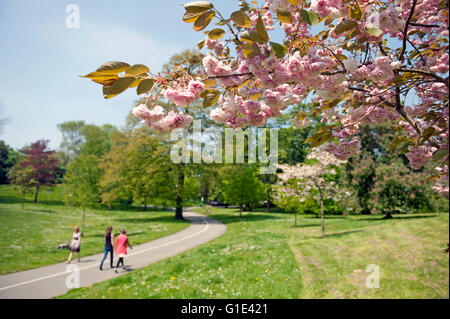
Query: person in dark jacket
<point x="109" y="246"/>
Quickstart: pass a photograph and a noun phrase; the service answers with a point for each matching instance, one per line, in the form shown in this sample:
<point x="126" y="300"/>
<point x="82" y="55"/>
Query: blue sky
<point x="41" y="59"/>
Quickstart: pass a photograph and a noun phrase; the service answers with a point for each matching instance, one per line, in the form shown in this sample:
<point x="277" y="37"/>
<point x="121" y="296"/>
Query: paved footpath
<point x="50" y="281"/>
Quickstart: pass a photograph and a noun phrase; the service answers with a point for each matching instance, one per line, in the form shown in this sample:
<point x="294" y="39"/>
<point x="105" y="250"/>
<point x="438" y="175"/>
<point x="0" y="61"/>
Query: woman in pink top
<point x="121" y="247"/>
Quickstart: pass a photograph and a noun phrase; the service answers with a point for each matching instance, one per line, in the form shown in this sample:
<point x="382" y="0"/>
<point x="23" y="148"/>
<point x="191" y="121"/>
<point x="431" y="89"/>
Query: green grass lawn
<point x="29" y="238"/>
<point x="263" y="256"/>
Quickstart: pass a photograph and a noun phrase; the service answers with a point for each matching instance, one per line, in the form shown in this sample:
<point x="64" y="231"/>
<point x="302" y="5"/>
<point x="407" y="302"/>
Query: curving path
<point x="50" y="281"/>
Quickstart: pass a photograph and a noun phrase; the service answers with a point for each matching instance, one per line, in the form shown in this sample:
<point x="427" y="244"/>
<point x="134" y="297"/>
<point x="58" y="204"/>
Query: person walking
<point x="109" y="247"/>
<point x="121" y="247"/>
<point x="75" y="244"/>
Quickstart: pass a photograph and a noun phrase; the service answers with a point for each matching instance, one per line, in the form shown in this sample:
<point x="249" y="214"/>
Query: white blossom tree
<point x="313" y="179"/>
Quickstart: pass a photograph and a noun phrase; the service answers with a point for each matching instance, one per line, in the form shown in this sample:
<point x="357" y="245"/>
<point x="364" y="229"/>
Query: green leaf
<point x="191" y="17"/>
<point x="136" y="69"/>
<point x="396" y="142"/>
<point x="427" y="133"/>
<point x="352" y="34"/>
<point x="101" y="79"/>
<point x="250" y="50"/>
<point x="210" y="97"/>
<point x="250" y="36"/>
<point x="375" y="31"/>
<point x="345" y="25"/>
<point x="328" y="21"/>
<point x="439" y="154"/>
<point x="145" y="86"/>
<point x="241" y="19"/>
<point x="200" y="44"/>
<point x="354" y="11"/>
<point x="216" y="34"/>
<point x="112" y="68"/>
<point x="198" y="6"/>
<point x="118" y="87"/>
<point x="309" y="17"/>
<point x="319" y="138"/>
<point x="279" y="50"/>
<point x="293" y="2"/>
<point x="261" y="29"/>
<point x="203" y="20"/>
<point x="284" y="16"/>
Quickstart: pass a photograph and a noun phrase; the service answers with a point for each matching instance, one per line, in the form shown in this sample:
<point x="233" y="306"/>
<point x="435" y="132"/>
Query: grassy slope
<point x="263" y="256"/>
<point x="28" y="239"/>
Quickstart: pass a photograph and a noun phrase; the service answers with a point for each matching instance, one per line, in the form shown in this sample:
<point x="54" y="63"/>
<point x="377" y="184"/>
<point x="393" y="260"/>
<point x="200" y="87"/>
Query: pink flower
<point x="418" y="156"/>
<point x="196" y="87"/>
<point x="141" y="111"/>
<point x="343" y="150"/>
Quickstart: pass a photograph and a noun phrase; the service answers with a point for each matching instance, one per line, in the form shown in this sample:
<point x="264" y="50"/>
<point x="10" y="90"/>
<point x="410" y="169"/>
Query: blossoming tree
<point x="359" y="61"/>
<point x="297" y="183"/>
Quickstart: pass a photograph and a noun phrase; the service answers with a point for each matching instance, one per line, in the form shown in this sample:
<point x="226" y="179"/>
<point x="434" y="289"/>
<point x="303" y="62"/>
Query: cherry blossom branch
<point x="424" y="25"/>
<point x="227" y="76"/>
<point x="417" y="50"/>
<point x="336" y="57"/>
<point x="405" y="30"/>
<point x="431" y="74"/>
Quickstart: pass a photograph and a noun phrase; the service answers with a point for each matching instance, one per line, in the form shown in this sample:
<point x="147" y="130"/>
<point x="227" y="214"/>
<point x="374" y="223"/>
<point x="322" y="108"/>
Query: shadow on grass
<point x="15" y="200"/>
<point x="30" y="204"/>
<point x="306" y="225"/>
<point x="334" y="235"/>
<point x="138" y="220"/>
<point x="246" y="217"/>
<point x="340" y="234"/>
<point x="396" y="217"/>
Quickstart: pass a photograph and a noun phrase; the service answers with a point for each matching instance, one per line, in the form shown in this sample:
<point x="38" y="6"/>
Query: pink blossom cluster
<point x="215" y="68"/>
<point x="183" y="97"/>
<point x="157" y="119"/>
<point x="343" y="150"/>
<point x="331" y="87"/>
<point x="149" y="116"/>
<point x="442" y="185"/>
<point x="375" y="114"/>
<point x="216" y="45"/>
<point x="418" y="156"/>
<point x="381" y="70"/>
<point x="389" y="20"/>
<point x="350" y="128"/>
<point x="236" y="112"/>
<point x="172" y="121"/>
<point x="266" y="18"/>
<point x="275" y="83"/>
<point x="327" y="8"/>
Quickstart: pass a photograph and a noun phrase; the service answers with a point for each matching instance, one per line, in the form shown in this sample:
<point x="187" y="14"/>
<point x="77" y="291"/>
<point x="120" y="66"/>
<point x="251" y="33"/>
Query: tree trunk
<point x="23" y="200"/>
<point x="84" y="218"/>
<point x="437" y="206"/>
<point x="322" y="215"/>
<point x="240" y="211"/>
<point x="179" y="198"/>
<point x="268" y="203"/>
<point x="36" y="194"/>
<point x="295" y="219"/>
<point x="388" y="215"/>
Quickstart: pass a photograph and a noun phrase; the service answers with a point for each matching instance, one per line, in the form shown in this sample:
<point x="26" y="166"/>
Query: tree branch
<point x="424" y="25"/>
<point x="405" y="30"/>
<point x="431" y="74"/>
